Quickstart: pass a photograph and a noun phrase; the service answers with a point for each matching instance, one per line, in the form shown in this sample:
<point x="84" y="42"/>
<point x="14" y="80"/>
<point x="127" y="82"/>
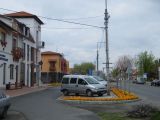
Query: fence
<point x="50" y="77"/>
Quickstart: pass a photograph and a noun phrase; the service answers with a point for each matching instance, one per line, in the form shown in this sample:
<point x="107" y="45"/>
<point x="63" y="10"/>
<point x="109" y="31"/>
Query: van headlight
<point x="94" y="89"/>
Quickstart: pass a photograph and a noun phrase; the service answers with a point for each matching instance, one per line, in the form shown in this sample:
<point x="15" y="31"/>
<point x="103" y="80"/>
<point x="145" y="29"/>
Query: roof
<point x="76" y="76"/>
<point x="7" y="28"/>
<point x="23" y="14"/>
<point x="50" y="53"/>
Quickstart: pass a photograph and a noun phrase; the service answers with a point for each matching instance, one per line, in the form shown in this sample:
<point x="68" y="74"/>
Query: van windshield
<point x="98" y="78"/>
<point x="91" y="80"/>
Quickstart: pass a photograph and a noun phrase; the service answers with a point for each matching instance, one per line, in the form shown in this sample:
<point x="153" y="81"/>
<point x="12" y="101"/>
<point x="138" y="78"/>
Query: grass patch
<point x="115" y="116"/>
<point x="55" y="84"/>
<point x="123" y="116"/>
<point x="156" y="116"/>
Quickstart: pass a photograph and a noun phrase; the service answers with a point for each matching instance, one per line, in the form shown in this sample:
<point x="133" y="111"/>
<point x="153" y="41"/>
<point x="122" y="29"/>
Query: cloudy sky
<point x="134" y="26"/>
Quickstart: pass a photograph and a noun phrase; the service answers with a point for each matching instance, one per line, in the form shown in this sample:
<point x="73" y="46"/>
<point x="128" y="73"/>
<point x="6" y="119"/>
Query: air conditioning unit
<point x="41" y="44"/>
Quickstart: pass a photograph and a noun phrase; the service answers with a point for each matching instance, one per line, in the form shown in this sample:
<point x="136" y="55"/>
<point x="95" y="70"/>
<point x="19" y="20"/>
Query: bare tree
<point x="123" y="64"/>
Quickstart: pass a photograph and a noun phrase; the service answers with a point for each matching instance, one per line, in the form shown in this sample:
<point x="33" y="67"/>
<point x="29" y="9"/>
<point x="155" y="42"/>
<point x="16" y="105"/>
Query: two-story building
<point x="54" y="66"/>
<point x="21" y="55"/>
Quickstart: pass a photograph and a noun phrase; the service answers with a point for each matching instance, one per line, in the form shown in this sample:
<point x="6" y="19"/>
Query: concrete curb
<point x="97" y="102"/>
<point x="27" y="93"/>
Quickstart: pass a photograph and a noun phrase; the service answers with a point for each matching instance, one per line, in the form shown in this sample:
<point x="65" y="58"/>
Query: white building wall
<point x="7" y="53"/>
<point x="34" y="27"/>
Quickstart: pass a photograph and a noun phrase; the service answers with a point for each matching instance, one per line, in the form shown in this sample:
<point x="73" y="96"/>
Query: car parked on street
<point x="4" y="104"/>
<point x="81" y="84"/>
<point x="134" y="81"/>
<point x="100" y="80"/>
<point x="139" y="80"/>
<point x="155" y="82"/>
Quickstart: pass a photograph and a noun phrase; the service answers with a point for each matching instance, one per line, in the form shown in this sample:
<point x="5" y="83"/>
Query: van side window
<point x="73" y="80"/>
<point x="81" y="82"/>
<point x="65" y="81"/>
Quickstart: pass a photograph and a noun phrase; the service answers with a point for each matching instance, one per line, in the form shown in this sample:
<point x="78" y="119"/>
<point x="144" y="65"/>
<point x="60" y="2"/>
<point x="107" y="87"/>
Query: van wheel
<point x="89" y="93"/>
<point x="100" y="94"/>
<point x="65" y="92"/>
<point x="77" y="94"/>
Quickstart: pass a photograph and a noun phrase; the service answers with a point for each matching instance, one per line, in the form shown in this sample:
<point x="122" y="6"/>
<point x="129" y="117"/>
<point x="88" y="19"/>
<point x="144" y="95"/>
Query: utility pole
<point x="107" y="47"/>
<point x="97" y="59"/>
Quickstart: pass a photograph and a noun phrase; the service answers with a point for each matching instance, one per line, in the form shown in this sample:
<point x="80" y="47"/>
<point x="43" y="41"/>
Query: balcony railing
<point x="17" y="53"/>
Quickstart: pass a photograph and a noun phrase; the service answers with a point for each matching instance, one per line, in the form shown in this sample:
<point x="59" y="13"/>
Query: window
<point x="82" y="82"/>
<point x="11" y="71"/>
<point x="37" y="35"/>
<point x="3" y="39"/>
<point x="52" y="66"/>
<point x="28" y="52"/>
<point x="24" y="51"/>
<point x="2" y="36"/>
<point x="73" y="80"/>
<point x="26" y="31"/>
<point x="14" y="44"/>
<point x="91" y="80"/>
<point x="65" y="81"/>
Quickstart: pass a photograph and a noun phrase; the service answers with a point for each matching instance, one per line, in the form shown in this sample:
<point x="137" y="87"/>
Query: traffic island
<point x="117" y="96"/>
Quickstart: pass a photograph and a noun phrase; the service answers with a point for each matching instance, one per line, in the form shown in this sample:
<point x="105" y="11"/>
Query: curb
<point x="97" y="102"/>
<point x="27" y="93"/>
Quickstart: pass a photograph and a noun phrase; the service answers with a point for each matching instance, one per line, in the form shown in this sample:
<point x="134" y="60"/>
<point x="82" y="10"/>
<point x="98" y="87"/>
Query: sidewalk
<point x="25" y="90"/>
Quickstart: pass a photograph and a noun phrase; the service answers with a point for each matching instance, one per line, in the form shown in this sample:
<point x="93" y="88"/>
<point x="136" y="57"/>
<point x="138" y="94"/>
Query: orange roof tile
<point x="23" y="14"/>
<point x="50" y="53"/>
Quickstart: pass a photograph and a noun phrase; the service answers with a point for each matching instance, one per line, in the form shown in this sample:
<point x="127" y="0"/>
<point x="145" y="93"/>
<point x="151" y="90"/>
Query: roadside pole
<point x="107" y="47"/>
<point x="159" y="73"/>
<point x="97" y="59"/>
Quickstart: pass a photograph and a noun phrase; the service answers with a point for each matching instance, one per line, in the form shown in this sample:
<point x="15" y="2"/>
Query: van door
<point x="81" y="86"/>
<point x="73" y="85"/>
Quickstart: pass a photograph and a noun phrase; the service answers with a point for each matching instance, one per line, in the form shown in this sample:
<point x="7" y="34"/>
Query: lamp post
<point x="107" y="48"/>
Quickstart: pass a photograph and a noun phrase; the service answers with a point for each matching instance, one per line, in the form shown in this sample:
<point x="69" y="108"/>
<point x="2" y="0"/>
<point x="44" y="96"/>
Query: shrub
<point x="142" y="111"/>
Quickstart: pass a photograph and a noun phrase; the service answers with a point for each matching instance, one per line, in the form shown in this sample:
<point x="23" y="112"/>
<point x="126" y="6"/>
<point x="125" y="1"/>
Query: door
<point x="81" y="86"/>
<point x="73" y="85"/>
<point x="27" y="75"/>
<point x="4" y="73"/>
<point x="16" y="75"/>
<point x="22" y="74"/>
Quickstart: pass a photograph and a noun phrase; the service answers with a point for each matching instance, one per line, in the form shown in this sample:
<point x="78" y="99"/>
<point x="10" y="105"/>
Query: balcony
<point x="17" y="53"/>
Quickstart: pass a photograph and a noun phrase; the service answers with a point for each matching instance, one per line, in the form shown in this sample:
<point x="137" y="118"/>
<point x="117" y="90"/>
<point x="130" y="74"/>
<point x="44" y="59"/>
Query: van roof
<point x="76" y="76"/>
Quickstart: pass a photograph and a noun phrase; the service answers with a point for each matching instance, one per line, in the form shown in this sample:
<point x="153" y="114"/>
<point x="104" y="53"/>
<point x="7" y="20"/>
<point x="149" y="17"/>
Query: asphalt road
<point x="43" y="105"/>
<point x="148" y="94"/>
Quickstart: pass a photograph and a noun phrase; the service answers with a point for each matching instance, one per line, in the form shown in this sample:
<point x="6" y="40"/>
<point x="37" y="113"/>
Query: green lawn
<point x="115" y="116"/>
<point x="156" y="116"/>
<point x="122" y="116"/>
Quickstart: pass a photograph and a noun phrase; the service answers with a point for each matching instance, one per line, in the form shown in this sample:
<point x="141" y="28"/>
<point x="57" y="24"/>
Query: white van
<point x="81" y="84"/>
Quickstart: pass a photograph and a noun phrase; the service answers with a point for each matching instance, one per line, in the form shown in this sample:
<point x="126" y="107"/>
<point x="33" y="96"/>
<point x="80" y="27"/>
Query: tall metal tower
<point x="107" y="46"/>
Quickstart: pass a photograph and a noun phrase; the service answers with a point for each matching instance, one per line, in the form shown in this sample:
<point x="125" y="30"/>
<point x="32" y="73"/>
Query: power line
<point x="102" y="40"/>
<point x="61" y="20"/>
<point x="72" y="22"/>
<point x="91" y="17"/>
<point x="65" y="28"/>
<point x="82" y="18"/>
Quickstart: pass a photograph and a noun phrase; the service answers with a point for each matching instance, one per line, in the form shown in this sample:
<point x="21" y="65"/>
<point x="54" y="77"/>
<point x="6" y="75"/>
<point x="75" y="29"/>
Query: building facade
<point x="20" y="57"/>
<point x="54" y="66"/>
